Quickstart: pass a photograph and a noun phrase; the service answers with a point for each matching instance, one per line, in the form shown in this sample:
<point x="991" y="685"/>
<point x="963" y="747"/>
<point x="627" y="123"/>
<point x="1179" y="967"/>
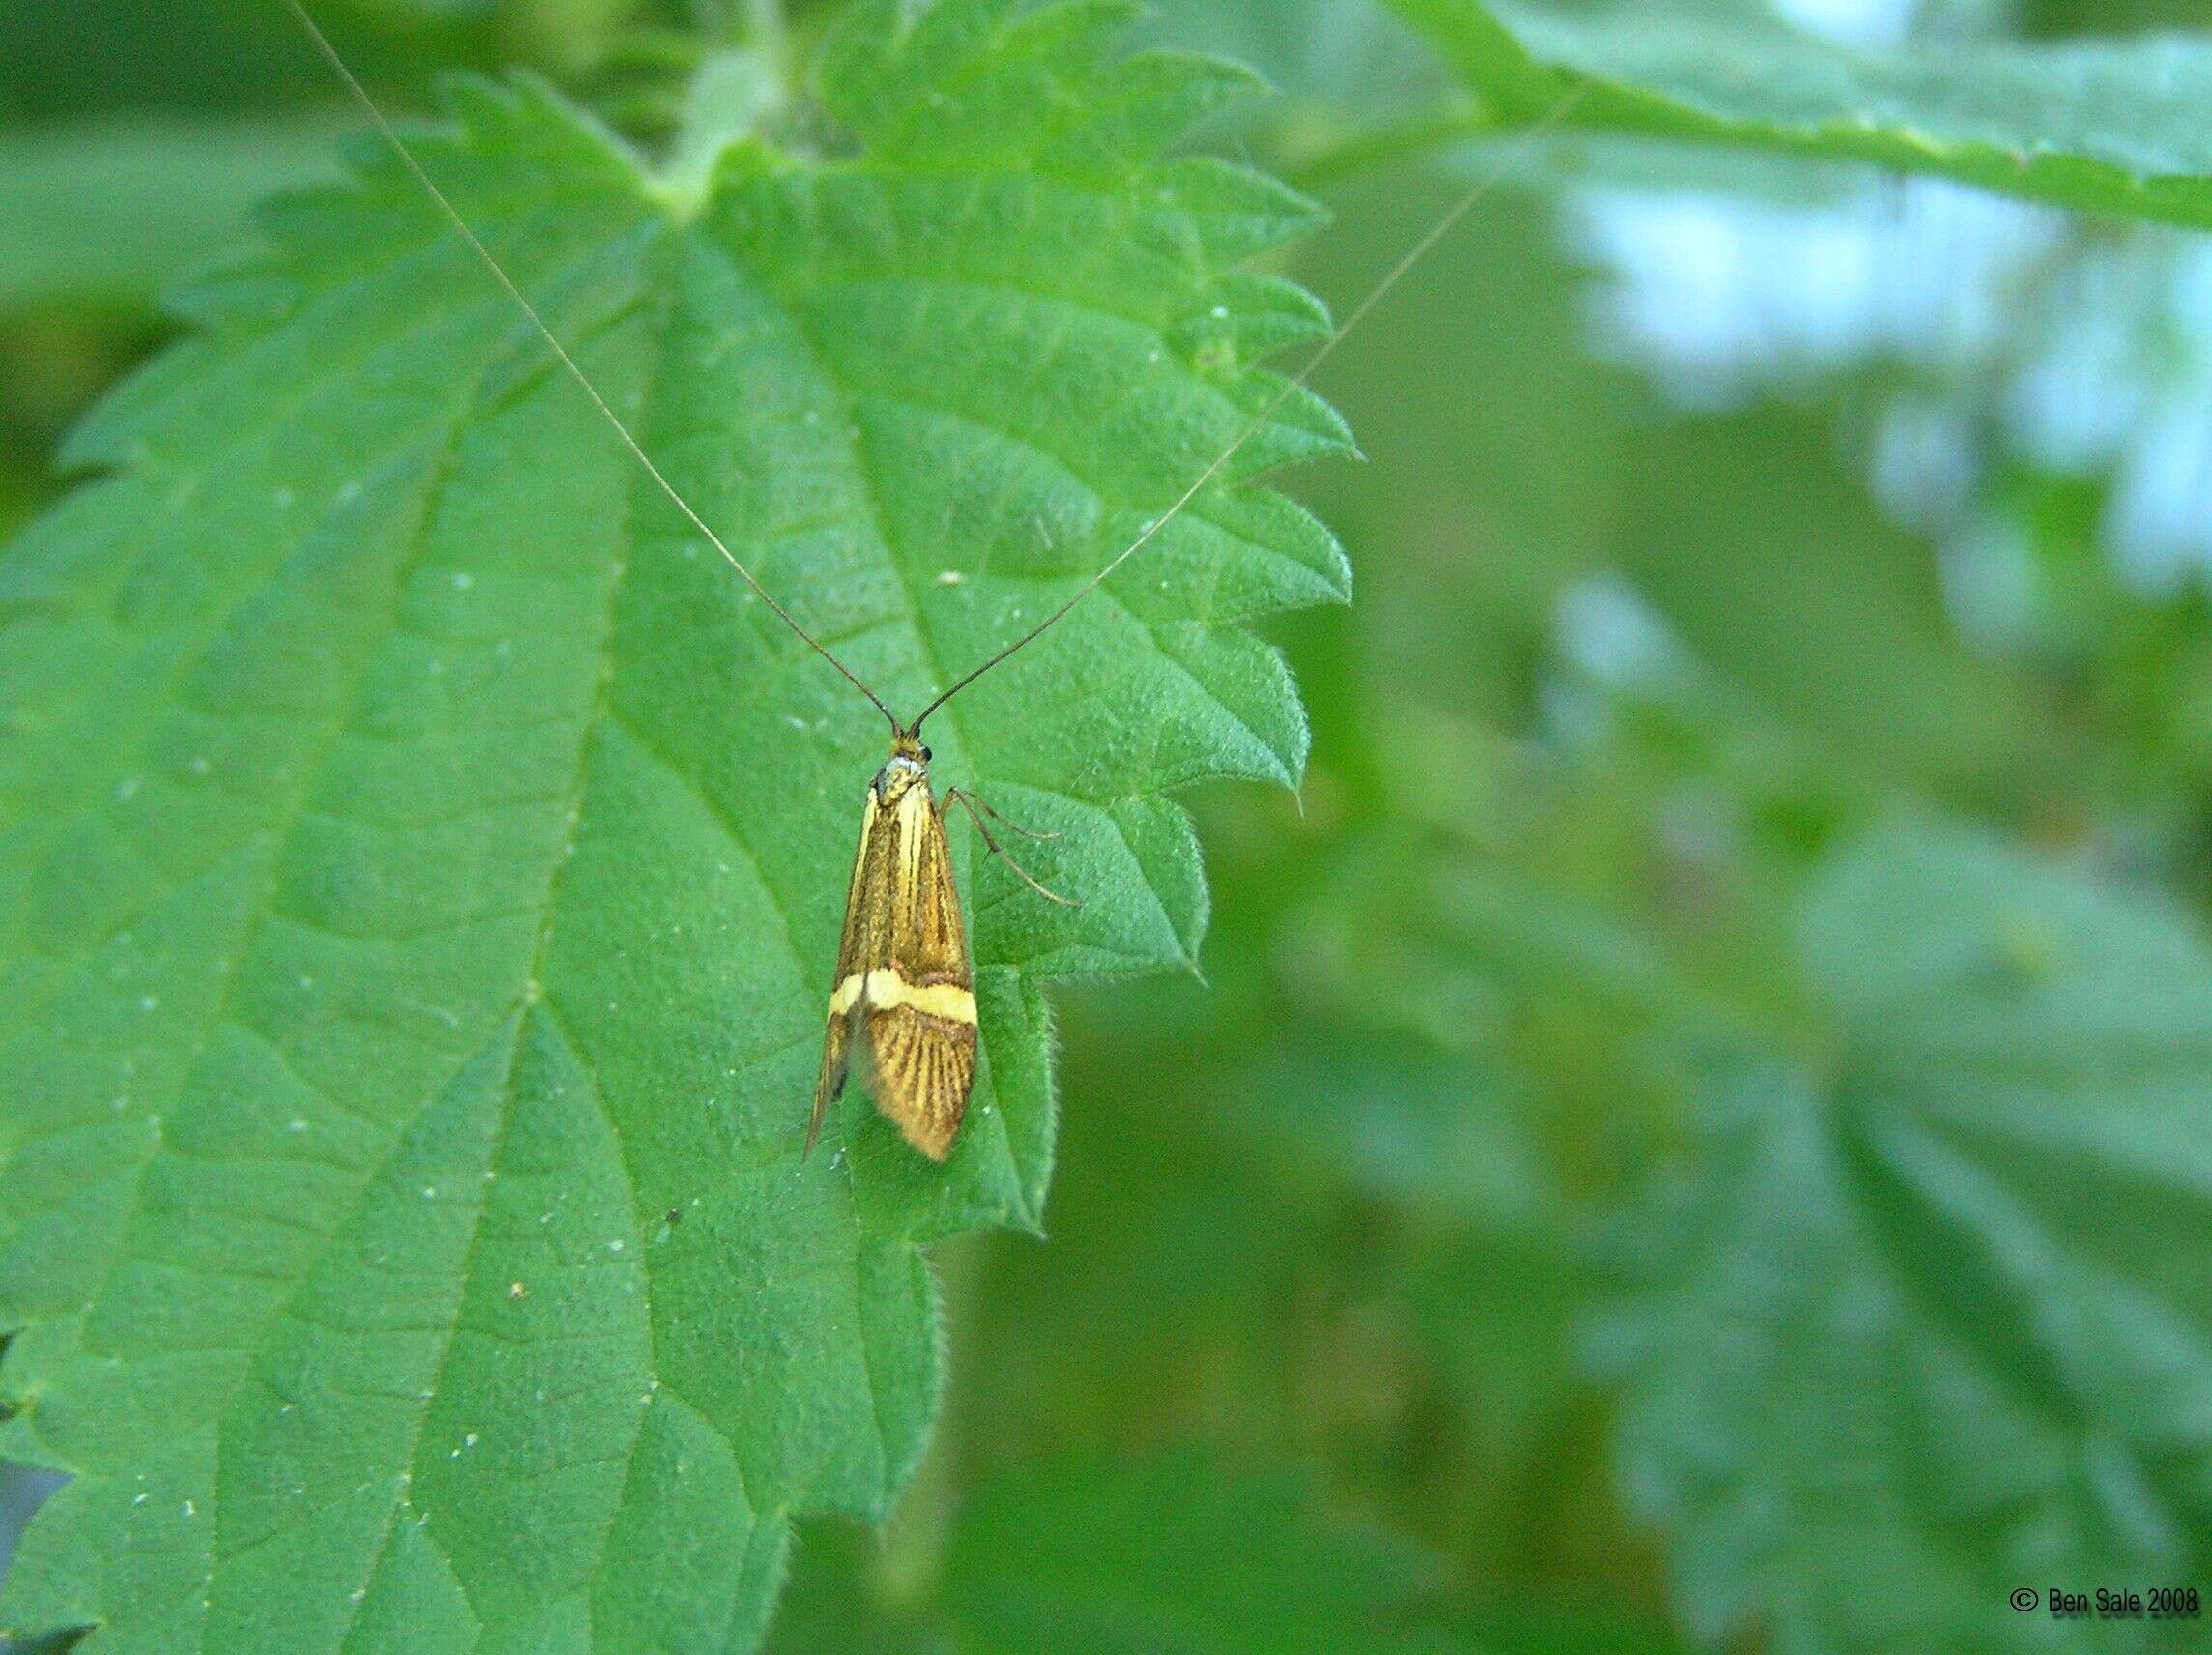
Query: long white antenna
<point x="1443" y="227"/>
<point x="561" y="352"/>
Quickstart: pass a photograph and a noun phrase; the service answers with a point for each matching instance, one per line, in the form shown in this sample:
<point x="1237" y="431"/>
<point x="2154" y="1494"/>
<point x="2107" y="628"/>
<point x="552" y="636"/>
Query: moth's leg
<point x="974" y="805"/>
<point x="977" y="810"/>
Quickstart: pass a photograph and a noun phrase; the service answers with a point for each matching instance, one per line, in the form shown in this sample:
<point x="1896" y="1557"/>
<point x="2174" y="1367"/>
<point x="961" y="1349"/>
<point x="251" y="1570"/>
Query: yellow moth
<point x="903" y="981"/>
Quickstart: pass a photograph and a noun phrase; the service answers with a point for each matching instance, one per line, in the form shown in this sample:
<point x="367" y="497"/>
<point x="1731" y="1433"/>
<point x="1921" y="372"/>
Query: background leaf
<point x="1878" y="678"/>
<point x="2104" y="126"/>
<point x="114" y="214"/>
<point x="1932" y="1328"/>
<point x="423" y="859"/>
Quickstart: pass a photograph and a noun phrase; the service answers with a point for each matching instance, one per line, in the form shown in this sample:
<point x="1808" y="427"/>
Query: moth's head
<point x="908" y="764"/>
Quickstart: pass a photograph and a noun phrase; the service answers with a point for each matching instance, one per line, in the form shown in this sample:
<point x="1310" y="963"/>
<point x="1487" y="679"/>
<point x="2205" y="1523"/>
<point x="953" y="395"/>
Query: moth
<point x="903" y="978"/>
<point x="904" y="987"/>
<point x="904" y="982"/>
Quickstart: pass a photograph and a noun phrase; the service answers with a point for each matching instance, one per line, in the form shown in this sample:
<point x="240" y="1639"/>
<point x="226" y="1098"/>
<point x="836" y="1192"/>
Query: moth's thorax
<point x="897" y="777"/>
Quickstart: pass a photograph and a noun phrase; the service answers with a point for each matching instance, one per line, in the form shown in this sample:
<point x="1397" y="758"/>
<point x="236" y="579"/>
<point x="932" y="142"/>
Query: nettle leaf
<point x="1932" y="1321"/>
<point x="2106" y="126"/>
<point x="421" y="861"/>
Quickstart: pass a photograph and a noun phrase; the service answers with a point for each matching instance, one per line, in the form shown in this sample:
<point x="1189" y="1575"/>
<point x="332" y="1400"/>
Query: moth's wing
<point x="928" y="939"/>
<point x="921" y="1012"/>
<point x="925" y="1068"/>
<point x="836" y="1059"/>
<point x="863" y="945"/>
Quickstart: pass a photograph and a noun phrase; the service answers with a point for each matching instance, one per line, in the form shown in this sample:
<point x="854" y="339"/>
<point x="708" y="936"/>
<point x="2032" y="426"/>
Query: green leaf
<point x="421" y="861"/>
<point x="1168" y="1556"/>
<point x="1931" y="1322"/>
<point x="109" y="214"/>
<point x="2114" y="127"/>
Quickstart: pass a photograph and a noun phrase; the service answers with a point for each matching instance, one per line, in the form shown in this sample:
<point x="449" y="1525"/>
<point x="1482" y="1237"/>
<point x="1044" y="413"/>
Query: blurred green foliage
<point x="1692" y="1132"/>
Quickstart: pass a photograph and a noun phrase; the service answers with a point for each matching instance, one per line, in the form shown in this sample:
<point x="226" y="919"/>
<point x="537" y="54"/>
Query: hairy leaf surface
<point x="421" y="860"/>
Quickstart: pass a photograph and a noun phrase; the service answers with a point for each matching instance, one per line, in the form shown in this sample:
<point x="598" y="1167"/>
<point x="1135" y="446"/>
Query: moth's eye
<point x="926" y="755"/>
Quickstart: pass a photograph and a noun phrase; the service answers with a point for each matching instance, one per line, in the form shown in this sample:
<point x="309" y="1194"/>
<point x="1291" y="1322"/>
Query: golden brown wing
<point x="924" y="1065"/>
<point x="920" y="1003"/>
<point x="865" y="943"/>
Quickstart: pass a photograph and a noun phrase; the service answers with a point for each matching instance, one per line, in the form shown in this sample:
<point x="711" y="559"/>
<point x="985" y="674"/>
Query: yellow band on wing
<point x="887" y="991"/>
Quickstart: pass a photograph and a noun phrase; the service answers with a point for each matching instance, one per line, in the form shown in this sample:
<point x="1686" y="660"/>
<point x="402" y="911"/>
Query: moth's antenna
<point x="1441" y="228"/>
<point x="561" y="352"/>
